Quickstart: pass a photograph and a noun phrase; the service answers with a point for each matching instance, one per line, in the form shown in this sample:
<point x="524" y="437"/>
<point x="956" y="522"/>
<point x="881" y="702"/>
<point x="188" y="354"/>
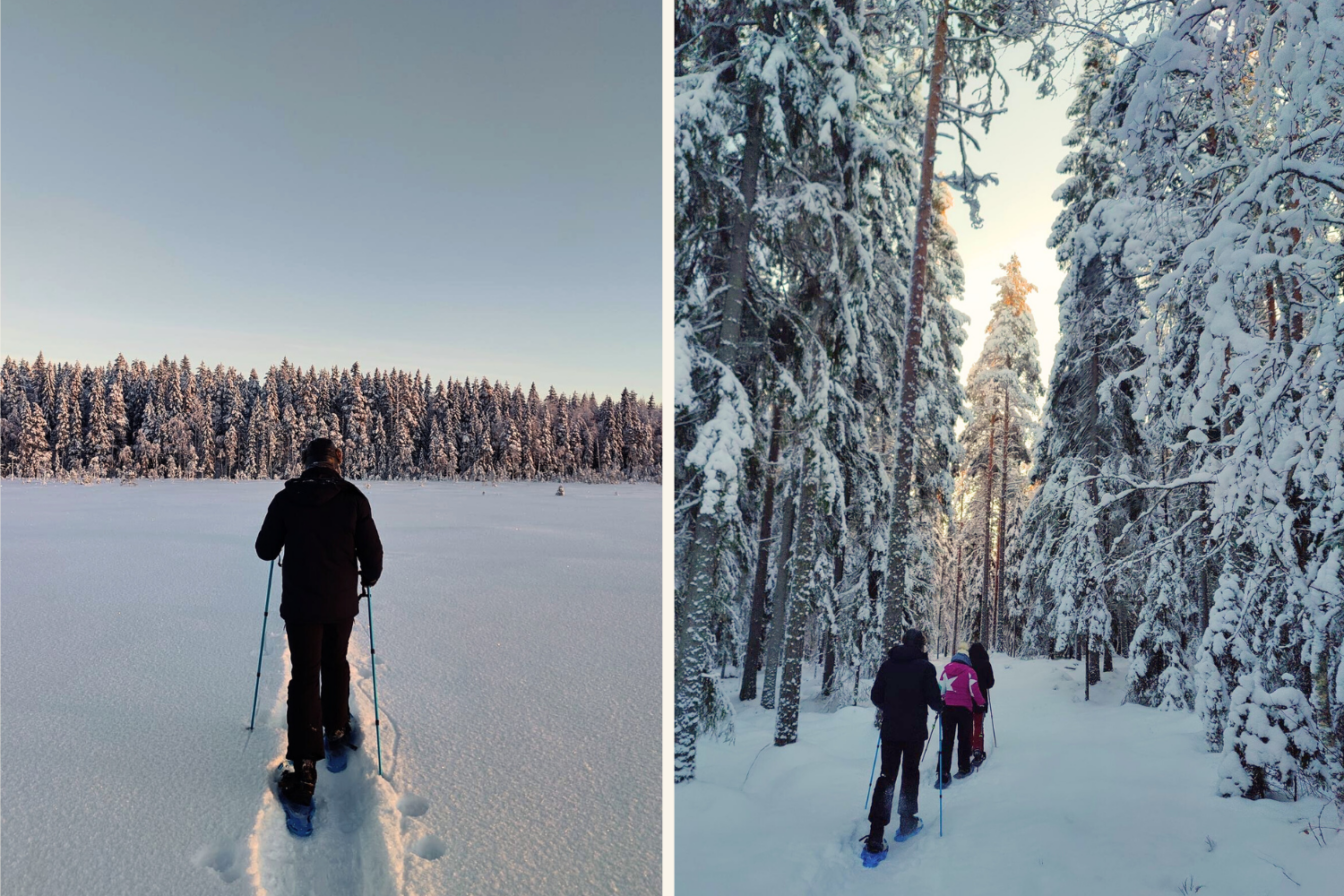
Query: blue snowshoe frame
<point x="298" y="818"/>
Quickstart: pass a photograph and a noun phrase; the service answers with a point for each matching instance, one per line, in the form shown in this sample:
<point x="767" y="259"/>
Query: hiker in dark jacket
<point x="326" y="529"/>
<point x="984" y="673"/>
<point x="905" y="689"/>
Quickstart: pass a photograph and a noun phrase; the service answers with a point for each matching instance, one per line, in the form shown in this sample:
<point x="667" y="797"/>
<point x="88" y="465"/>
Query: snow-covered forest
<point x="170" y="421"/>
<point x="1172" y="494"/>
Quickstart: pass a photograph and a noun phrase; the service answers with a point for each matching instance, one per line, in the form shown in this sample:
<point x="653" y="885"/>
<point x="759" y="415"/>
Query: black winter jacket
<point x="905" y="689"/>
<point x="984" y="672"/>
<point x="325" y="526"/>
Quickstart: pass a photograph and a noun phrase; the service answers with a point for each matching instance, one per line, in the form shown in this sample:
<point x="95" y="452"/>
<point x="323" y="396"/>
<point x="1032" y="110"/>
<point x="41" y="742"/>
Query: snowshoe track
<point x="361" y="842"/>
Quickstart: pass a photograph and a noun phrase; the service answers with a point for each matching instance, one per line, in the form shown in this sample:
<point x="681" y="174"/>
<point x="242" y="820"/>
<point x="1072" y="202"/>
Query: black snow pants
<point x="957" y="723"/>
<point x="319" y="684"/>
<point x="898" y="756"/>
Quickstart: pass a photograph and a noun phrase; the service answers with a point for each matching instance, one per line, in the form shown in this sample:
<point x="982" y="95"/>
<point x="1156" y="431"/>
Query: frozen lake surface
<point x="519" y="646"/>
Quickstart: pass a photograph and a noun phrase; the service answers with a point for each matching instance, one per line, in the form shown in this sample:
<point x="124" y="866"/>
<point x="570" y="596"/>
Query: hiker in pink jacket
<point x="961" y="695"/>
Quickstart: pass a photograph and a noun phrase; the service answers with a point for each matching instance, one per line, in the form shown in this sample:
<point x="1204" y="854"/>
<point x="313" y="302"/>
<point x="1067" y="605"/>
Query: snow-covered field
<point x="1079" y="798"/>
<point x="518" y="641"/>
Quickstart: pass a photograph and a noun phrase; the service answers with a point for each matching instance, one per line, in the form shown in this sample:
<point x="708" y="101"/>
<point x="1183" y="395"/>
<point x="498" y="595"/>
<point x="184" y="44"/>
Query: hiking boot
<point x="874" y="842"/>
<point x="945" y="780"/>
<point x="338" y="743"/>
<point x="297" y="783"/>
<point x="977" y="758"/>
<point x="909" y="824"/>
<point x="963" y="774"/>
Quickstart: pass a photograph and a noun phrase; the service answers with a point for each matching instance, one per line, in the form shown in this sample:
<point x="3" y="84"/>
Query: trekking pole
<point x="927" y="739"/>
<point x="940" y="774"/>
<point x="991" y="722"/>
<point x="867" y="796"/>
<point x="265" y="613"/>
<point x="373" y="664"/>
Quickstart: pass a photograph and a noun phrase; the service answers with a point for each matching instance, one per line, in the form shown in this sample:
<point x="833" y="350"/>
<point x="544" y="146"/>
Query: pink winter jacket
<point x="964" y="687"/>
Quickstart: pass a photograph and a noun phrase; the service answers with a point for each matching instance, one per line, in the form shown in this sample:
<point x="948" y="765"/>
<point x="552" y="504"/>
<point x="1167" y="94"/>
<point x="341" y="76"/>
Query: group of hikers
<point x="906" y="688"/>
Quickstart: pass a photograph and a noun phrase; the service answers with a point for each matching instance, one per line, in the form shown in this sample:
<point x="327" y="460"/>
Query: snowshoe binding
<point x="294" y="791"/>
<point x="339" y="743"/>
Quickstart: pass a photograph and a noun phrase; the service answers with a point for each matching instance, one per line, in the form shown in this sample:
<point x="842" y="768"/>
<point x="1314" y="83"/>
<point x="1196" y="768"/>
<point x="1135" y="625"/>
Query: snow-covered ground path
<point x="518" y="640"/>
<point x="1097" y="798"/>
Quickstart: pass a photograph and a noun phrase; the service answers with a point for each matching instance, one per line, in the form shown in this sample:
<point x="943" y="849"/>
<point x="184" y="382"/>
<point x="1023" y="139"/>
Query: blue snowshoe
<point x="338" y="745"/>
<point x="872" y="859"/>
<point x="298" y="814"/>
<point x="904" y="835"/>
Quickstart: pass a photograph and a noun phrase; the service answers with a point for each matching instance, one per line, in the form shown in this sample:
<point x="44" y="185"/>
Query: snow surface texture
<point x="518" y="679"/>
<point x="1098" y="798"/>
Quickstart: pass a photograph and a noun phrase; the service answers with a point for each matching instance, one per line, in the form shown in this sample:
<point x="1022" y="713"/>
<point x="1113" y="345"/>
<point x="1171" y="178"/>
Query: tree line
<point x="172" y="421"/>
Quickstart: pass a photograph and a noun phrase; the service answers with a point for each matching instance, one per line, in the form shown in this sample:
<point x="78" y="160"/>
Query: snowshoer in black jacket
<point x="326" y="529"/>
<point x="905" y="689"/>
<point x="984" y="673"/>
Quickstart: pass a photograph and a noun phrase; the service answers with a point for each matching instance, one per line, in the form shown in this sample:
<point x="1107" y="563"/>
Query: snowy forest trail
<point x="1094" y="797"/>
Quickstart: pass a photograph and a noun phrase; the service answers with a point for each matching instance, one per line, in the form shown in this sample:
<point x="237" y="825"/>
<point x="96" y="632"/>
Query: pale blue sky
<point x="1023" y="147"/>
<point x="471" y="189"/>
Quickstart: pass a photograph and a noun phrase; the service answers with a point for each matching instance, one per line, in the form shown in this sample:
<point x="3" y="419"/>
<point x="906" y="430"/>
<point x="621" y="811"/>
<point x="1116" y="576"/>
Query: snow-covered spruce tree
<point x="1002" y="385"/>
<point x="723" y="89"/>
<point x="839" y="211"/>
<point x="1159" y="673"/>
<point x="33" y="451"/>
<point x="941" y="404"/>
<point x="1089" y="436"/>
<point x="1236" y="132"/>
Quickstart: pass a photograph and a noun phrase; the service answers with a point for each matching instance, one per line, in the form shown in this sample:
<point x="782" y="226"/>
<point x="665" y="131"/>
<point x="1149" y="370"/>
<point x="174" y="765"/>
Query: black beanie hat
<point x="322" y="451"/>
<point x="914" y="638"/>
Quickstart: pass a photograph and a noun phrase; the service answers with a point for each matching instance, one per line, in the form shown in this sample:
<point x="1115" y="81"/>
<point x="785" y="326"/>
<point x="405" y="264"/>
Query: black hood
<point x="904" y="653"/>
<point x="318" y="485"/>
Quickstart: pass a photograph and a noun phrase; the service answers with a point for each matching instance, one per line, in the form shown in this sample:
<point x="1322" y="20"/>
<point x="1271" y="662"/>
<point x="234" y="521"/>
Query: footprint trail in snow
<point x="363" y="832"/>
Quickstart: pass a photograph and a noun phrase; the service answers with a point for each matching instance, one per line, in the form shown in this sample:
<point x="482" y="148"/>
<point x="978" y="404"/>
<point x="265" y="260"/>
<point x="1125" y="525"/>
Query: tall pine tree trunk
<point x="800" y="605"/>
<point x="1003" y="517"/>
<point x="828" y="621"/>
<point x="693" y="642"/>
<point x="986" y="590"/>
<point x="1094" y="640"/>
<point x="755" y="633"/>
<point x="903" y="468"/>
<point x="779" y="605"/>
<point x="956" y="599"/>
